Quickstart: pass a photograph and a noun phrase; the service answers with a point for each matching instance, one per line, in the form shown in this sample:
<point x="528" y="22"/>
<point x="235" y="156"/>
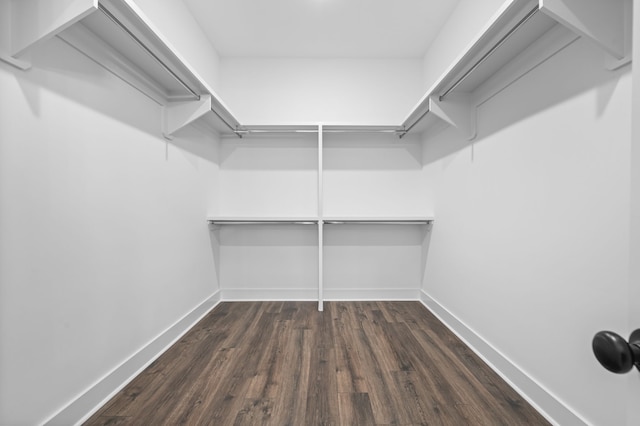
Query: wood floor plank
<point x="322" y="397"/>
<point x="254" y="412"/>
<point x="350" y="372"/>
<point x="285" y="363"/>
<point x="291" y="405"/>
<point x="355" y="409"/>
<point x="382" y="402"/>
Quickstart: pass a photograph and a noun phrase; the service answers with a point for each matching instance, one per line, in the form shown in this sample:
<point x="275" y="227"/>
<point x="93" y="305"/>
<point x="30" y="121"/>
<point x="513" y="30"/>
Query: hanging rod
<point x="139" y="42"/>
<point x="491" y="51"/>
<point x="377" y="222"/>
<point x="332" y="129"/>
<point x="363" y="131"/>
<point x="226" y="123"/>
<point x="408" y="129"/>
<point x="242" y="131"/>
<point x="337" y="128"/>
<point x="262" y="222"/>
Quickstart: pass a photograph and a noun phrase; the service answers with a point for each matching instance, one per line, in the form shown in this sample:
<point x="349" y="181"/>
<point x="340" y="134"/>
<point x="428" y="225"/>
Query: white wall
<point x="360" y="91"/>
<point x="269" y="176"/>
<point x="530" y="247"/>
<point x="104" y="241"/>
<point x="373" y="175"/>
<point x="268" y="262"/>
<point x="369" y="175"/>
<point x="373" y="262"/>
<point x="275" y="176"/>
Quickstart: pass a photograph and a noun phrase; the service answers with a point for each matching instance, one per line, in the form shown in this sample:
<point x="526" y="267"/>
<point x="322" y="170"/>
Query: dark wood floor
<point x="284" y="363"/>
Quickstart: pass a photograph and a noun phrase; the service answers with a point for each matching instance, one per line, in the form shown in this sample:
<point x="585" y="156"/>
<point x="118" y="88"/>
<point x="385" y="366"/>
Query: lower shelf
<point x="340" y="258"/>
<point x="227" y="220"/>
<point x="378" y="221"/>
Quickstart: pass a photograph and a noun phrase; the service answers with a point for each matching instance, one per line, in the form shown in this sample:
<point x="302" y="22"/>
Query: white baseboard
<point x="90" y="401"/>
<point x="97" y="395"/>
<point x="269" y="294"/>
<point x="540" y="398"/>
<point x="365" y="294"/>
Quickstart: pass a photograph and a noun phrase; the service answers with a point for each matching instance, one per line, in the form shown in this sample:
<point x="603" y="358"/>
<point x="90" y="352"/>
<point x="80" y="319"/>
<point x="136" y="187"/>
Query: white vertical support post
<point x="320" y="223"/>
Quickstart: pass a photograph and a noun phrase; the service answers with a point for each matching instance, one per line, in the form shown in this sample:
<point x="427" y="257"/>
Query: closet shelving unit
<point x="257" y="137"/>
<point x="520" y="36"/>
<point x="117" y="35"/>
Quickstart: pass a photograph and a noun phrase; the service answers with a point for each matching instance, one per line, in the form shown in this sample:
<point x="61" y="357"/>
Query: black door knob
<point x="614" y="353"/>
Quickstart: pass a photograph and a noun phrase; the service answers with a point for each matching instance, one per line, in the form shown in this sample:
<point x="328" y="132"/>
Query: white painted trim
<point x="368" y="294"/>
<point x="85" y="405"/>
<point x="550" y="406"/>
<point x="269" y="294"/>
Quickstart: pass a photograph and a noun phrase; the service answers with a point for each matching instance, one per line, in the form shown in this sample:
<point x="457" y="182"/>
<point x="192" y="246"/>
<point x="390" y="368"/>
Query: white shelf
<point x="118" y="36"/>
<point x="521" y="35"/>
<point x="399" y="220"/>
<point x="245" y="220"/>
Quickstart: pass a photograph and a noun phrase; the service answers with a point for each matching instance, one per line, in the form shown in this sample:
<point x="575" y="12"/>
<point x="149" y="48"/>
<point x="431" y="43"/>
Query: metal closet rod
<point x="226" y="123"/>
<point x="475" y="66"/>
<point x="408" y="129"/>
<point x="262" y="222"/>
<point x="377" y="222"/>
<point x="491" y="51"/>
<point x="393" y="131"/>
<point x="241" y="130"/>
<point x="139" y="42"/>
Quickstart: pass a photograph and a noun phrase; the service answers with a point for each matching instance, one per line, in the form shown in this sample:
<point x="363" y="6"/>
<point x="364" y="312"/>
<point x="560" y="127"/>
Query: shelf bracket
<point x="458" y="110"/>
<point x="21" y="64"/>
<point x="177" y="115"/>
<point x="602" y="21"/>
<point x="34" y="21"/>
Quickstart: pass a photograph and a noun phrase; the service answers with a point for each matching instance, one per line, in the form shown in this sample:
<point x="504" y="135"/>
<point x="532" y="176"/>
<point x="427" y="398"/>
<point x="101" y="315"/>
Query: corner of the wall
<point x="85" y="405"/>
<point x="552" y="408"/>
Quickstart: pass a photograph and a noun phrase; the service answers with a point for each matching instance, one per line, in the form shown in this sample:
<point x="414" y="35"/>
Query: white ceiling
<point x="321" y="28"/>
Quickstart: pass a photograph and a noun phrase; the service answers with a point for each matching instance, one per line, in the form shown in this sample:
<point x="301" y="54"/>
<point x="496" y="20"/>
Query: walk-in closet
<point x="319" y="212"/>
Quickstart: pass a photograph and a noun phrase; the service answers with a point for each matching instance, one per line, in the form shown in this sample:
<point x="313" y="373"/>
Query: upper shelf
<point x="245" y="220"/>
<point x="117" y="35"/>
<point x="520" y="36"/>
<point x="399" y="220"/>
